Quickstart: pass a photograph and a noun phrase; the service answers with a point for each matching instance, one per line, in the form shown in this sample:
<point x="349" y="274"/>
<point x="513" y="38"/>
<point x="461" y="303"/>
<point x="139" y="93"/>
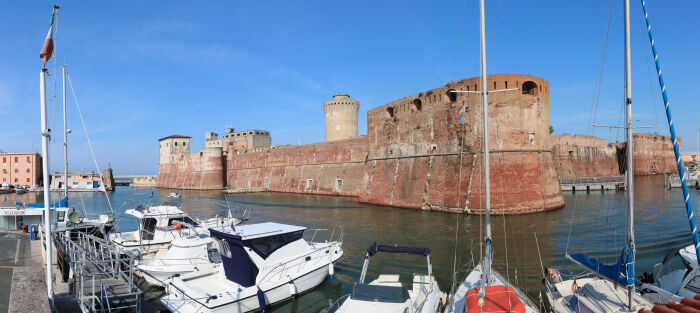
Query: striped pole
<point x="676" y="151"/>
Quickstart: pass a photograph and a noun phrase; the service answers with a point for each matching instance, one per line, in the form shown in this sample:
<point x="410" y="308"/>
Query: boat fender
<point x="176" y="226"/>
<point x="331" y="270"/>
<point x="261" y="300"/>
<point x="292" y="288"/>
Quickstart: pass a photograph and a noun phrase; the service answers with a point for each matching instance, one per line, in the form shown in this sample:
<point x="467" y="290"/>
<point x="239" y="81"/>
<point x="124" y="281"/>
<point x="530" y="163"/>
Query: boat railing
<point x="165" y="262"/>
<point x="341" y="235"/>
<point x="336" y="305"/>
<point x="298" y="261"/>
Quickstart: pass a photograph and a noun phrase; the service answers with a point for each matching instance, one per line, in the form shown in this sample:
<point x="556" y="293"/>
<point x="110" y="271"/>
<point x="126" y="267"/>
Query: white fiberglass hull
<point x="247" y="298"/>
<point x="162" y="277"/>
<point x="593" y="294"/>
<point x="473" y="280"/>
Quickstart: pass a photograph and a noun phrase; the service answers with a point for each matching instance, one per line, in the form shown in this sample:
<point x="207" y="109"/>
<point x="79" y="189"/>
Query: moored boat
<point x="261" y="264"/>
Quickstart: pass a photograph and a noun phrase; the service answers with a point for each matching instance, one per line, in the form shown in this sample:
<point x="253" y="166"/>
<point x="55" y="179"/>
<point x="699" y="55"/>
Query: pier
<point x="101" y="277"/>
<point x="595" y="183"/>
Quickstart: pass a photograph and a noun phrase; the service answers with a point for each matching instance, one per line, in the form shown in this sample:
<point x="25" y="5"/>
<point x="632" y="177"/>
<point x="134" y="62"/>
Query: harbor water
<point x="592" y="223"/>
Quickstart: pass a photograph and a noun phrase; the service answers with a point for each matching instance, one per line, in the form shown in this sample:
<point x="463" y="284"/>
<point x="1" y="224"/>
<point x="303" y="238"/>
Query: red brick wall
<point x="422" y="156"/>
<point x="200" y="170"/>
<point x="289" y="167"/>
<point x="584" y="156"/>
<point x="653" y="154"/>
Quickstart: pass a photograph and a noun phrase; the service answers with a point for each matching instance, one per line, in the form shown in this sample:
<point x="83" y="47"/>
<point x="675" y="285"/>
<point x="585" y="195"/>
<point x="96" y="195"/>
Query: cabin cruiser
<point x="387" y="294"/>
<point x="174" y="194"/>
<point x="185" y="255"/>
<point x="261" y="264"/>
<point x="159" y="225"/>
<point x="667" y="283"/>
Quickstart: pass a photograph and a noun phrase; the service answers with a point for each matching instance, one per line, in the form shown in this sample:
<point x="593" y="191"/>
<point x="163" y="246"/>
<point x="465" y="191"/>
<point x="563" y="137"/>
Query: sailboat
<point x="665" y="282"/>
<point x="484" y="289"/>
<point x="612" y="288"/>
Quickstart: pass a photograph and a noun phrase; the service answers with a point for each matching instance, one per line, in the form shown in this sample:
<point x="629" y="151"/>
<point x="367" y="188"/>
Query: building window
<point x="417" y="105"/>
<point x="309" y="182"/>
<point x="85" y="176"/>
<point x="176" y="143"/>
<point x="529" y="88"/>
<point x="452" y="95"/>
<point x="4" y="171"/>
<point x="338" y="185"/>
<point x="16" y="180"/>
<point x="28" y="160"/>
<point x="16" y="171"/>
<point x="390" y="112"/>
<point x="28" y="180"/>
<point x="16" y="159"/>
<point x="184" y="144"/>
<point x="27" y="170"/>
<point x="167" y="144"/>
<point x="4" y="160"/>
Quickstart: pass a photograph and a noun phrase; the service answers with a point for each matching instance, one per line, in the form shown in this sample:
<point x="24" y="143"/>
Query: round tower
<point x="341" y="117"/>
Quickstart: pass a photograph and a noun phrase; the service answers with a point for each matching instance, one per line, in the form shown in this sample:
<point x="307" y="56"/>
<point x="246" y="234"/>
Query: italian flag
<point x="47" y="49"/>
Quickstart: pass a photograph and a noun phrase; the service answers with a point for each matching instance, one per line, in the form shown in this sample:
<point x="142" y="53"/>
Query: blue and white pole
<point x="676" y="151"/>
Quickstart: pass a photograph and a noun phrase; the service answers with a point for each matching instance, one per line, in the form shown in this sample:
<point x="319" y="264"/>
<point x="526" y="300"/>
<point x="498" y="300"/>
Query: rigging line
<point x="505" y="29"/>
<point x="75" y="98"/>
<point x="600" y="73"/>
<point x="459" y="37"/>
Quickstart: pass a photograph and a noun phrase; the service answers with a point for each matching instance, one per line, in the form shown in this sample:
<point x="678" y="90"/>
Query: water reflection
<point x="598" y="228"/>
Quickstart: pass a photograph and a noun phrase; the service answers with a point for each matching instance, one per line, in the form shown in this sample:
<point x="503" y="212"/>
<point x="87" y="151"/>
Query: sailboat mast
<point x="65" y="138"/>
<point x="487" y="189"/>
<point x="45" y="135"/>
<point x="630" y="149"/>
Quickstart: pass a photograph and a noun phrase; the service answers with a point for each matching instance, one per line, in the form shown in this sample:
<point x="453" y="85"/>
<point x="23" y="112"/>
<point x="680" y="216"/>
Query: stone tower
<point x="341" y="117"/>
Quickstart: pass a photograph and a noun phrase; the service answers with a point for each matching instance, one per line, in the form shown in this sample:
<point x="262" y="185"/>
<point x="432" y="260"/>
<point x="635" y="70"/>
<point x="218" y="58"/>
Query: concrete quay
<point x="22" y="276"/>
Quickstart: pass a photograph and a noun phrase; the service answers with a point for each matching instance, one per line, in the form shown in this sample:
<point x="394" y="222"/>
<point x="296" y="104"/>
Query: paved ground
<point x="13" y="253"/>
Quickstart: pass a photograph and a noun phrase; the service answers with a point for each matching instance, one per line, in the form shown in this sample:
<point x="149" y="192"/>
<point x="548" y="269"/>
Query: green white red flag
<point x="47" y="49"/>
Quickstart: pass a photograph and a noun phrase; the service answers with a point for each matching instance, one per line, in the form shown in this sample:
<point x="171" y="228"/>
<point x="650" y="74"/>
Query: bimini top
<point x="373" y="249"/>
<point x="253" y="231"/>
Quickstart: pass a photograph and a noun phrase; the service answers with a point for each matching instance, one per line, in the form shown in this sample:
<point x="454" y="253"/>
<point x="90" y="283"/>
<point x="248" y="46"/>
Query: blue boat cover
<point x="60" y="204"/>
<point x="374" y="248"/>
<point x="377" y="293"/>
<point x="621" y="272"/>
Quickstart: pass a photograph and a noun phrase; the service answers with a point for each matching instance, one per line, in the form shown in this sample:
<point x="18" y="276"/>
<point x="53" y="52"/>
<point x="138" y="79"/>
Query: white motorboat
<point x="387" y="294"/>
<point x="185" y="255"/>
<point x="261" y="264"/>
<point x="174" y="195"/>
<point x="667" y="283"/>
<point x="159" y="225"/>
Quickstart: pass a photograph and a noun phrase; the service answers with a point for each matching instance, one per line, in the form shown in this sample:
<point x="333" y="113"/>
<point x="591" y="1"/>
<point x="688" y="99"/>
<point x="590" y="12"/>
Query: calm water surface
<point x="598" y="228"/>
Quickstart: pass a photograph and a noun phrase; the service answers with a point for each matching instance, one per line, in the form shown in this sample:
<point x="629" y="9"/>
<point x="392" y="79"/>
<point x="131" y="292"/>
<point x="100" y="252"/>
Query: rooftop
<point x="174" y="136"/>
<point x="252" y="231"/>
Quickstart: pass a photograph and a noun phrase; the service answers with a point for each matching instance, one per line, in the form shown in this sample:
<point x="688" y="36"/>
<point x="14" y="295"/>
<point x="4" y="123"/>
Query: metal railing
<point x="591" y="180"/>
<point x="102" y="275"/>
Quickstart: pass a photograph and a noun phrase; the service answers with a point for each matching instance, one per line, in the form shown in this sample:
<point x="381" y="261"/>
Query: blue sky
<point x="144" y="70"/>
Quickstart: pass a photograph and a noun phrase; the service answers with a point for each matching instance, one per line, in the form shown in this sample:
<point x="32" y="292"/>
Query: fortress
<point x="423" y="151"/>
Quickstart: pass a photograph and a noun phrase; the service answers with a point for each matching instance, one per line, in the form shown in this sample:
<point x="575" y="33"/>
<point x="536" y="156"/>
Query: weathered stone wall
<point x="421" y="156"/>
<point x="288" y="168"/>
<point x="653" y="154"/>
<point x="584" y="156"/>
<point x="200" y="170"/>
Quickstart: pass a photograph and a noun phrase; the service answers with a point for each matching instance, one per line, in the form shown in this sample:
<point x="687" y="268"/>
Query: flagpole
<point x="45" y="135"/>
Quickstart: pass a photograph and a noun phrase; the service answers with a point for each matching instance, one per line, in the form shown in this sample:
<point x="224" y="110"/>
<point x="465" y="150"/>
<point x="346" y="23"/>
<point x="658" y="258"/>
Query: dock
<point x="594" y="183"/>
<point x="101" y="276"/>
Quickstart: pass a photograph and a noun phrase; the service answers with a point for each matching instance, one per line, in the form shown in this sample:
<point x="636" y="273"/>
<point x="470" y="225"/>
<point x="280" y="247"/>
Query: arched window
<point x="417" y="105"/>
<point x="390" y="112"/>
<point x="452" y="95"/>
<point x="529" y="88"/>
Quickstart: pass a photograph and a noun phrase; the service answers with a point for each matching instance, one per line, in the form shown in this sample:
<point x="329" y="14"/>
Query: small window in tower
<point x="506" y="84"/>
<point x="309" y="183"/>
<point x="494" y="85"/>
<point x="27" y="170"/>
<point x="452" y="95"/>
<point x="176" y="143"/>
<point x="417" y="105"/>
<point x="201" y="154"/>
<point x="529" y="88"/>
<point x="390" y="112"/>
<point x="184" y="144"/>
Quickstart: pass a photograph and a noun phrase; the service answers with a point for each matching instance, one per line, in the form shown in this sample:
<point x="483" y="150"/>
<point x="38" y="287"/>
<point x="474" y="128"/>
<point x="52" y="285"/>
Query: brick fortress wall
<point x="200" y="170"/>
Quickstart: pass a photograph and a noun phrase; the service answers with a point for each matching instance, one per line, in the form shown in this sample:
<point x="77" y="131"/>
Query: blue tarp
<point x="373" y="249"/>
<point x="621" y="272"/>
<point x="61" y="204"/>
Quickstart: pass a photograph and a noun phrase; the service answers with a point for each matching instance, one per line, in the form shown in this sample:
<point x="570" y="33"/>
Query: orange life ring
<point x="176" y="226"/>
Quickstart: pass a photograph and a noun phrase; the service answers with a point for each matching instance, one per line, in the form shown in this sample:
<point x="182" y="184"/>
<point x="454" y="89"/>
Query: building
<point x="77" y="181"/>
<point x="690" y="157"/>
<point x="173" y="145"/>
<point x="341" y="117"/>
<point x="243" y="141"/>
<point x="21" y="169"/>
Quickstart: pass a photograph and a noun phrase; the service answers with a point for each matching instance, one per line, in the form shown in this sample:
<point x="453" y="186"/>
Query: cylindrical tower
<point x="341" y="117"/>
